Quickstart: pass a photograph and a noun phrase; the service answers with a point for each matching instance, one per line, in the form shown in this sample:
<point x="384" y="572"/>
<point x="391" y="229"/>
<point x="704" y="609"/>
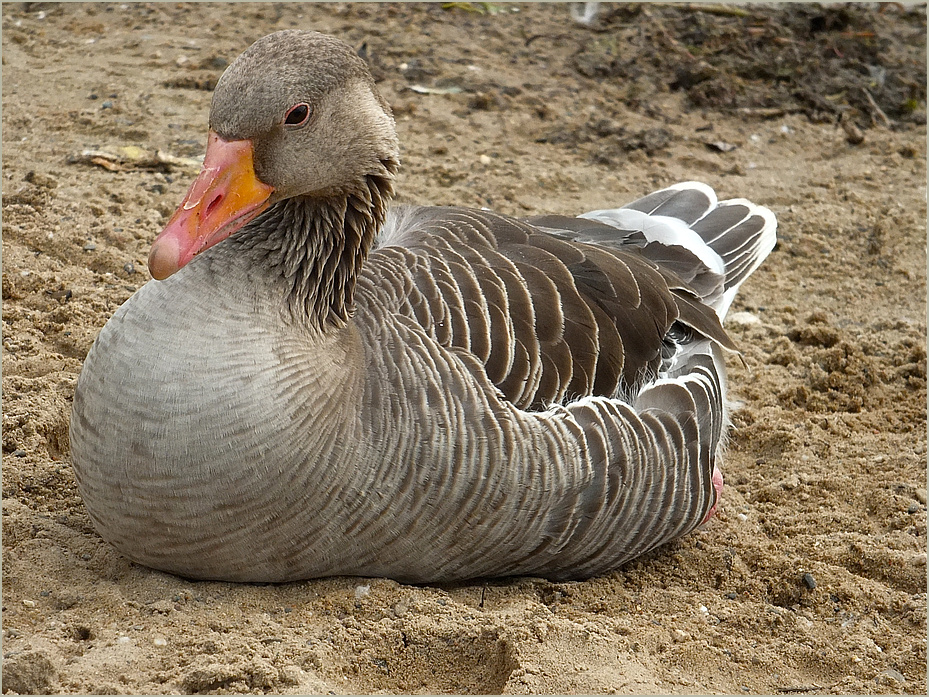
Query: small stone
<point x="809" y="581"/>
<point x="107" y="105"/>
<point x="19" y="453"/>
<point x="731" y="596"/>
<point x="853" y="134"/>
<point x="61" y="293"/>
<point x="895" y="674"/>
<point x="744" y="318"/>
<point x="679" y="635"/>
<point x="361" y="591"/>
<point x="89" y="247"/>
<point x="29" y="603"/>
<point x="401" y="607"/>
<point x="161" y="606"/>
<point x="160" y="641"/>
<point x="129" y="268"/>
<point x="484" y="160"/>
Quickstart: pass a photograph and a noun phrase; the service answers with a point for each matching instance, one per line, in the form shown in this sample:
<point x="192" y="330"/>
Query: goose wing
<point x="603" y="340"/>
<point x="554" y="308"/>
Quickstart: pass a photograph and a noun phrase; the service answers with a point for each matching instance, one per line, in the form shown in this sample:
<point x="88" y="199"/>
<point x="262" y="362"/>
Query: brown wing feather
<point x="549" y="318"/>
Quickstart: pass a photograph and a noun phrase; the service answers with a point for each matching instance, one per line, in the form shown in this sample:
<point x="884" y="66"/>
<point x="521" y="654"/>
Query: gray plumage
<point x="428" y="394"/>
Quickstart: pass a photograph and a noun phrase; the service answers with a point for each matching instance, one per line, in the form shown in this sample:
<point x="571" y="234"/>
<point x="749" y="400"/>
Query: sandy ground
<point x="812" y="579"/>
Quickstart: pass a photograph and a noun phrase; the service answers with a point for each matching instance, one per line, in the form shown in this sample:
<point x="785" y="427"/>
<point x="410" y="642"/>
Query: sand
<point x="812" y="578"/>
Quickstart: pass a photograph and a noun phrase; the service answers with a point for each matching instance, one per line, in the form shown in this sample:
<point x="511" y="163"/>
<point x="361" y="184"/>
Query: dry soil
<point x="812" y="578"/>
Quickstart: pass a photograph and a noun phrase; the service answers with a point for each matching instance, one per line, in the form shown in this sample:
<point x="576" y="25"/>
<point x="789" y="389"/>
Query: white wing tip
<point x="706" y="189"/>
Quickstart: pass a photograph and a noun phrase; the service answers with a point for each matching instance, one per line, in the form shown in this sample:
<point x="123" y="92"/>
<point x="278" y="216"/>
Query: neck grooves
<point x="318" y="246"/>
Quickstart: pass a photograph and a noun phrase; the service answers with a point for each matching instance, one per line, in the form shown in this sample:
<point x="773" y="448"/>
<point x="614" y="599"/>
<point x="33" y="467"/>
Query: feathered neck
<point x="317" y="246"/>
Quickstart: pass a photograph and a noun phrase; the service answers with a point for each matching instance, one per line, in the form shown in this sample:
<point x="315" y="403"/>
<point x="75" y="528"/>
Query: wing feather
<point x="555" y="308"/>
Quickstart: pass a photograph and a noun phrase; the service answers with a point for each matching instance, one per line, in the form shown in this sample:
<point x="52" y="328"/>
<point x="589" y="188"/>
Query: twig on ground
<point x="798" y="688"/>
<point x="766" y="112"/>
<point x="713" y="9"/>
<point x="876" y="109"/>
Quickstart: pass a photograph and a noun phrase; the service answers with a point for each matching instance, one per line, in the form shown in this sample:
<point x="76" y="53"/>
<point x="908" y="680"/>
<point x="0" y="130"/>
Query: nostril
<point x="213" y="204"/>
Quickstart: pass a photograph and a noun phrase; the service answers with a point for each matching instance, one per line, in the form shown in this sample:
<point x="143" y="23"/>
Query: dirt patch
<point x="825" y="62"/>
<point x="812" y="578"/>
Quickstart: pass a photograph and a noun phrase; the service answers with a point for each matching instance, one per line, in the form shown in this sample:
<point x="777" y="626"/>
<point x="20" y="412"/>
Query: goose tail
<point x="712" y="245"/>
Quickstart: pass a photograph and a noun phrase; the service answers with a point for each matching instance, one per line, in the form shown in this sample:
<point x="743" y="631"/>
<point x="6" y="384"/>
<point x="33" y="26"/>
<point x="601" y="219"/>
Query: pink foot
<point x="718" y="486"/>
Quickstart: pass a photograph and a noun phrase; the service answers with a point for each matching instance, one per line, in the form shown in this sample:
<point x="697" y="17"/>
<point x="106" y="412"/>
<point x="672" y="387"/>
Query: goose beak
<point x="225" y="196"/>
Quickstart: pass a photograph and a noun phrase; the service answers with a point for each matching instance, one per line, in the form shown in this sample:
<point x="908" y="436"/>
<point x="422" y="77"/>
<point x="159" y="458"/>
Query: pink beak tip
<point x="164" y="259"/>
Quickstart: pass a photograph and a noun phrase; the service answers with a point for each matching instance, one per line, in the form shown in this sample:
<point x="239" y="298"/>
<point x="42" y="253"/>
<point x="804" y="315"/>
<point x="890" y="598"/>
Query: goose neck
<point x="316" y="246"/>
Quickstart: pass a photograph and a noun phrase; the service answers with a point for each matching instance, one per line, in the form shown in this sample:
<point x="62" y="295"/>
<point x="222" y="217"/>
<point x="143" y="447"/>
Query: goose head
<point x="296" y="115"/>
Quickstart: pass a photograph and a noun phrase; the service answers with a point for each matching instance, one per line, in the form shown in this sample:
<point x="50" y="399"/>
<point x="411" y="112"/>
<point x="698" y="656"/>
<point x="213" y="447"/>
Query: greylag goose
<point x="318" y="384"/>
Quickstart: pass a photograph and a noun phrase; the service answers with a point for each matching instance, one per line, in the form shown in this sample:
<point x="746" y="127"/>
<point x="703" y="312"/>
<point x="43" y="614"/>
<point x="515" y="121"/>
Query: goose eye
<point x="298" y="115"/>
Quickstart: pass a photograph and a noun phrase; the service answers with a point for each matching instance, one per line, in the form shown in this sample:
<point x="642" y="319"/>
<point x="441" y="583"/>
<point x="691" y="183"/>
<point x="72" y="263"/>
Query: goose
<point x="319" y="383"/>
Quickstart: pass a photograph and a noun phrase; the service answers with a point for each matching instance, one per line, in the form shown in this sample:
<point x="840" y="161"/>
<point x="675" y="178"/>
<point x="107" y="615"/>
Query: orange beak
<point x="225" y="196"/>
